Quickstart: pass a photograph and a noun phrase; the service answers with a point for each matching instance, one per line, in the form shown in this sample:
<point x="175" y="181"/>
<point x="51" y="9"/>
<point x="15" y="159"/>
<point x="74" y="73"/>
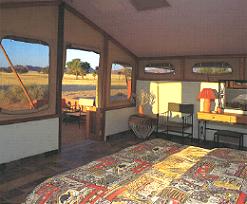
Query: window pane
<point x="212" y="68"/>
<point x="159" y="68"/>
<point x="80" y="77"/>
<point x="28" y="90"/>
<point x="120" y="81"/>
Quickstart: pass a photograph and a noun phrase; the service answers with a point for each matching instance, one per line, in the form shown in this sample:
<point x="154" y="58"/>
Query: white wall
<point x="116" y="121"/>
<point x="26" y="139"/>
<point x="182" y="92"/>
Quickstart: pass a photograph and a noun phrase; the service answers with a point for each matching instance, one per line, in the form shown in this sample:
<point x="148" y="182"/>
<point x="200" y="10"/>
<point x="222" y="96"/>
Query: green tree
<point x="85" y="67"/>
<point x="74" y="67"/>
<point x="78" y="68"/>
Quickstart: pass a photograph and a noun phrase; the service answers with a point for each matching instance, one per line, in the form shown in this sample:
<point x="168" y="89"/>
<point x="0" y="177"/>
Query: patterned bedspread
<point x="155" y="171"/>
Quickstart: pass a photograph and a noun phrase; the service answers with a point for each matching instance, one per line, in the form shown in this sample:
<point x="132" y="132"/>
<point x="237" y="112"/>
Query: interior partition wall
<point x="27" y="134"/>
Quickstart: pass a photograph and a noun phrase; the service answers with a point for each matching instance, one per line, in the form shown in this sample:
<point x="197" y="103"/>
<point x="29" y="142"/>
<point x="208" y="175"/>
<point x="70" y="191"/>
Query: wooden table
<point x="142" y="125"/>
<point x="226" y="118"/>
<point x="73" y="116"/>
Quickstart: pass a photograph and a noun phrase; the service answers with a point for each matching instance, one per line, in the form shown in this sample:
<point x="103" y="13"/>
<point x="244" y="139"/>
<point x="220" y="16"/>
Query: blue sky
<point x="23" y="53"/>
<point x="91" y="57"/>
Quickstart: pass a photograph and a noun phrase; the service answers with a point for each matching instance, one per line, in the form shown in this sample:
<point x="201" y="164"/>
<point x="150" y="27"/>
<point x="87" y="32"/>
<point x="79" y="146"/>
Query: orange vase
<point x="129" y="88"/>
<point x="140" y="110"/>
<point x="207" y="105"/>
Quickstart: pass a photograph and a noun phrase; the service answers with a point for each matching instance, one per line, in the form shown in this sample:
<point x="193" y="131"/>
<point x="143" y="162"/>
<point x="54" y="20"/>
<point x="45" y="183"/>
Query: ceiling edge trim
<point x="15" y="4"/>
<point x="193" y="56"/>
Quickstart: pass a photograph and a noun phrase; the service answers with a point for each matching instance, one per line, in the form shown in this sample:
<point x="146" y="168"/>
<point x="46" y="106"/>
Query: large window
<point x="121" y="75"/>
<point x="159" y="68"/>
<point x="24" y="76"/>
<point x="212" y="68"/>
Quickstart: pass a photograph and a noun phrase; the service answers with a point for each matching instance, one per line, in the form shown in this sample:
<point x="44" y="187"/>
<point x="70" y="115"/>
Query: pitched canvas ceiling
<point x="186" y="27"/>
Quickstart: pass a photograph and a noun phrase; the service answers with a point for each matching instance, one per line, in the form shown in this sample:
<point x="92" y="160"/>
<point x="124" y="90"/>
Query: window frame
<point x="213" y="74"/>
<point x="10" y="117"/>
<point x="160" y="63"/>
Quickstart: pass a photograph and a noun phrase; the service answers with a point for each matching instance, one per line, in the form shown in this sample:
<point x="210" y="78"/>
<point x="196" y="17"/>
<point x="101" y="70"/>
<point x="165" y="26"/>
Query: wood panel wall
<point x="183" y="68"/>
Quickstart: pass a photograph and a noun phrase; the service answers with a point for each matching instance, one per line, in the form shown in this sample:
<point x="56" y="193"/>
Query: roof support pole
<point x="60" y="67"/>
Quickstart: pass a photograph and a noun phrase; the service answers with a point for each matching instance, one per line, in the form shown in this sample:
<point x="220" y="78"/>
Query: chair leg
<point x="242" y="138"/>
<point x="218" y="140"/>
<point x="239" y="142"/>
<point x="192" y="133"/>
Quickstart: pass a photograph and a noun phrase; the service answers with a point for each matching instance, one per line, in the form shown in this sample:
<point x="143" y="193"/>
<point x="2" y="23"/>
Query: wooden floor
<point x="72" y="133"/>
<point x="18" y="178"/>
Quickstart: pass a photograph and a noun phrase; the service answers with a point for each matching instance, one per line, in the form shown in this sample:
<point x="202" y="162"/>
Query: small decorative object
<point x="208" y="95"/>
<point x="220" y="110"/>
<point x="220" y="95"/>
<point x="143" y="99"/>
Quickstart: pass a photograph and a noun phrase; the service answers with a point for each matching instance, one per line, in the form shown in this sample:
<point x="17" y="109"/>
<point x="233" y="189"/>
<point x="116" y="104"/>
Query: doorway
<point x="79" y="93"/>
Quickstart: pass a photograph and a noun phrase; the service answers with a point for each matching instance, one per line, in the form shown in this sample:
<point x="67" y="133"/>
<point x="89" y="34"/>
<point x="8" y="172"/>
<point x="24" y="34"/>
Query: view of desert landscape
<point x="74" y="89"/>
<point x="24" y="84"/>
<point x="12" y="96"/>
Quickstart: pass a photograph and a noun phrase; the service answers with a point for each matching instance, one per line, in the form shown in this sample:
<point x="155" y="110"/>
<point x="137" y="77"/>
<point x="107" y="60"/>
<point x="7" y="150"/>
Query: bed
<point x="155" y="171"/>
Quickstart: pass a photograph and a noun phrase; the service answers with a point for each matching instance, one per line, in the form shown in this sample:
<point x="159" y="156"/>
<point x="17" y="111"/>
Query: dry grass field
<point x="11" y="94"/>
<point x="30" y="78"/>
<point x="86" y="88"/>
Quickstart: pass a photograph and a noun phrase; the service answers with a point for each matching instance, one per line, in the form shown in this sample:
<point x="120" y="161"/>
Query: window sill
<point x="22" y="120"/>
<point x="119" y="106"/>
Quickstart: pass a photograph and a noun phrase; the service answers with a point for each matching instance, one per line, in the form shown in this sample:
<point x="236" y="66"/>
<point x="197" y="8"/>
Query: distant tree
<point x="21" y="69"/>
<point x="119" y="74"/>
<point x="85" y="68"/>
<point x="97" y="69"/>
<point x="44" y="70"/>
<point x="78" y="68"/>
<point x="127" y="71"/>
<point x="94" y="73"/>
<point x="8" y="70"/>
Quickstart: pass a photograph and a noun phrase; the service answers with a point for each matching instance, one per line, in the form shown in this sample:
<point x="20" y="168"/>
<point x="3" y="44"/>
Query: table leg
<point x="199" y="130"/>
<point x="241" y="142"/>
<point x="218" y="140"/>
<point x="202" y="130"/>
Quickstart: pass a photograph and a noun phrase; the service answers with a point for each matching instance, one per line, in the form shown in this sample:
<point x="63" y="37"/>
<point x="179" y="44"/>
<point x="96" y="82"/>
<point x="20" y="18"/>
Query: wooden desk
<point x="227" y="118"/>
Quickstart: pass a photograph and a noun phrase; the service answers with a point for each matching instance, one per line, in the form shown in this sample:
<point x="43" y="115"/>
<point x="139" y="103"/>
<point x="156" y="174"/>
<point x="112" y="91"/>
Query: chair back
<point x="182" y="108"/>
<point x="87" y="104"/>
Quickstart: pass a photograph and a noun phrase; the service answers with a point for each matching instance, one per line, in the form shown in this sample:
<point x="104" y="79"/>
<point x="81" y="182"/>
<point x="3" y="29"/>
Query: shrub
<point x="15" y="94"/>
